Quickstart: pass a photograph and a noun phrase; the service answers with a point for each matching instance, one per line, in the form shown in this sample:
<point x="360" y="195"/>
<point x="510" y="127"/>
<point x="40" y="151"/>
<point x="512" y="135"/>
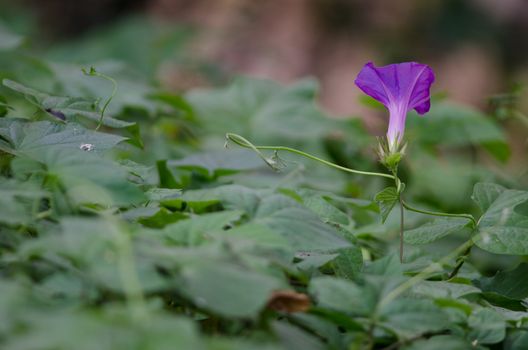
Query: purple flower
<point x="400" y="87"/>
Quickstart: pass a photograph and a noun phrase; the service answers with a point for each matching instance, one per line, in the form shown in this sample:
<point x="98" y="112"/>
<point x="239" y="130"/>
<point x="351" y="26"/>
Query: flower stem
<point x="241" y="141"/>
<point x="399" y="190"/>
<point x="435" y="213"/>
<point x="403" y="204"/>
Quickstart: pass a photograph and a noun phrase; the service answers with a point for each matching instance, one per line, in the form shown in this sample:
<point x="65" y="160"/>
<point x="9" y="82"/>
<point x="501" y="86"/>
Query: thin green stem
<point x="403" y="204"/>
<point x="399" y="190"/>
<point x="460" y="261"/>
<point x="435" y="213"/>
<point x="241" y="141"/>
<point x="401" y="228"/>
<point x="425" y="273"/>
<point x="92" y="72"/>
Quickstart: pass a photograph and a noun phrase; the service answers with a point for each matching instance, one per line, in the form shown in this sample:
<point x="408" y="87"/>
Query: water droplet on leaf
<point x="86" y="147"/>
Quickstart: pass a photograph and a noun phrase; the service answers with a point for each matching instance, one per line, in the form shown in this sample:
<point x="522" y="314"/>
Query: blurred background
<point x="476" y="47"/>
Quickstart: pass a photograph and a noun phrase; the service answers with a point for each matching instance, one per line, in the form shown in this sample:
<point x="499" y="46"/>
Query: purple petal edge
<point x="400" y="87"/>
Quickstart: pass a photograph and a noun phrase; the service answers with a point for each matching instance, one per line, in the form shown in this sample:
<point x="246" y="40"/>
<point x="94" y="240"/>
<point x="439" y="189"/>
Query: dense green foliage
<point x="146" y="233"/>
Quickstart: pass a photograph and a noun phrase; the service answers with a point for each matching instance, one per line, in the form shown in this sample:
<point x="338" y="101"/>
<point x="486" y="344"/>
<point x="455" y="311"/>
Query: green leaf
<point x="227" y="289"/>
<point x="260" y="235"/>
<point x="348" y="263"/>
<point x="411" y="317"/>
<point x="196" y="200"/>
<point x="457" y="310"/>
<point x="69" y="286"/>
<point x="257" y="105"/>
<point x="201" y="228"/>
<point x="437" y="229"/>
<point x="4" y="107"/>
<point x="294" y="338"/>
<point x="440" y="342"/>
<point x="96" y="250"/>
<point x="456" y="125"/>
<point x="68" y="108"/>
<point x="300" y="226"/>
<point x="154" y="42"/>
<point x="8" y="39"/>
<point x="222" y="343"/>
<point x="131" y="98"/>
<point x="511" y="284"/>
<point x="388" y="265"/>
<point x="487" y="327"/>
<point x="68" y="329"/>
<point x="503" y="240"/>
<point x="166" y="178"/>
<point x="266" y="112"/>
<point x="501" y="229"/>
<point x="512" y="316"/>
<point x="484" y="194"/>
<point x="449" y="184"/>
<point x="320" y="326"/>
<point x="318" y="203"/>
<point x="219" y="163"/>
<point x="440" y="289"/>
<point x="503" y="302"/>
<point x="236" y="197"/>
<point x="21" y="137"/>
<point x="521" y="209"/>
<point x="386" y="200"/>
<point x="71" y="154"/>
<point x="89" y="179"/>
<point x="517" y="340"/>
<point x="311" y="261"/>
<point x="19" y="201"/>
<point x="161" y="194"/>
<point x="344" y="296"/>
<point x="160" y="218"/>
<point x="177" y="102"/>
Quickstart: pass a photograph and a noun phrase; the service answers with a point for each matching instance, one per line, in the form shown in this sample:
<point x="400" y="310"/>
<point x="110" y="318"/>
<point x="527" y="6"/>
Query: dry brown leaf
<point x="289" y="301"/>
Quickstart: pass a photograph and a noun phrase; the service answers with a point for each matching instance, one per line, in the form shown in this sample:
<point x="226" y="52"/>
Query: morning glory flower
<point x="400" y="87"/>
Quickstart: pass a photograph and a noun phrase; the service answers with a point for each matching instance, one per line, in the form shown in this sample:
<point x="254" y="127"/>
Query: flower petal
<point x="400" y="87"/>
<point x="404" y="84"/>
<point x="423" y="108"/>
<point x="370" y="81"/>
